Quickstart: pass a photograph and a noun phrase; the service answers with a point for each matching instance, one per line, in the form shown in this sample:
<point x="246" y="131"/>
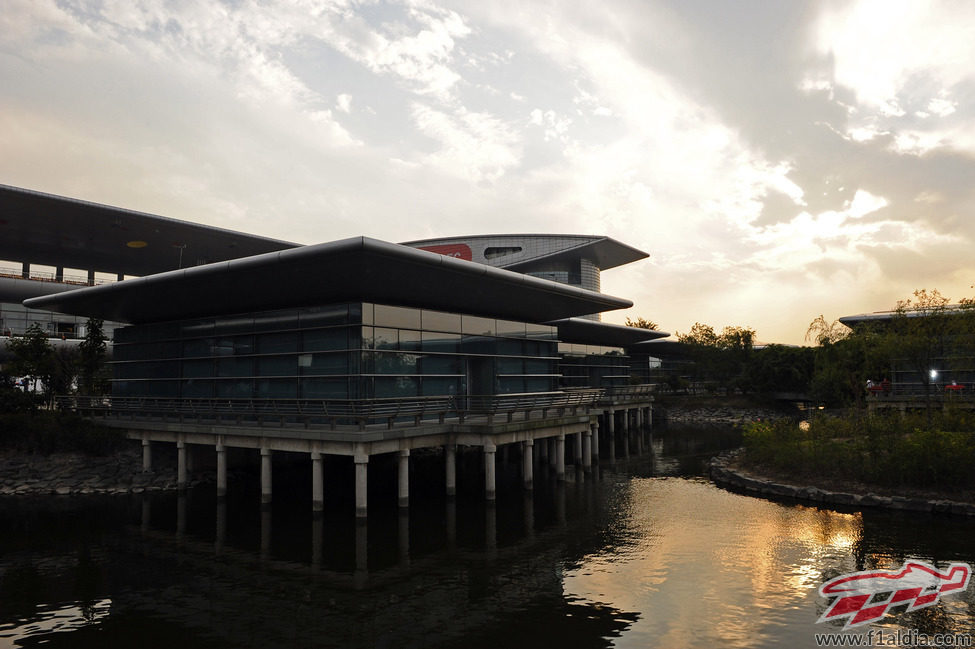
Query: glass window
<point x="234" y="389"/>
<point x="477" y="345"/>
<point x="200" y="368"/>
<point x="399" y="317"/>
<point x="335" y="363"/>
<point x="395" y="363"/>
<point x="277" y="342"/>
<point x="324" y="316"/>
<point x="320" y="340"/>
<point x="319" y="388"/>
<point x="276" y="321"/>
<point x="409" y="340"/>
<point x="197" y="347"/>
<point x="277" y="365"/>
<point x="510" y="385"/>
<point x="510" y="328"/>
<point x="539" y="384"/>
<point x="400" y="386"/>
<point x="538" y="366"/>
<point x="367" y="341"/>
<point x="161" y="388"/>
<point x="234" y="366"/>
<point x="478" y="326"/>
<point x="364" y="311"/>
<point x="233" y="325"/>
<point x="440" y="342"/>
<point x="277" y="388"/>
<point x="509" y="347"/>
<point x="439" y="321"/>
<point x="385" y="338"/>
<point x="540" y="331"/>
<point x="196" y="389"/>
<point x="440" y="385"/>
<point x="440" y="365"/>
<point x="510" y="366"/>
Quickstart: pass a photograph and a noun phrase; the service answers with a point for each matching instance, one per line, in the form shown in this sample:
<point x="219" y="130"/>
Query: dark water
<point x="643" y="554"/>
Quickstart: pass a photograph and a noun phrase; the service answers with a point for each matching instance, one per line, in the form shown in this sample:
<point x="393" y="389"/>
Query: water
<point x="644" y="554"/>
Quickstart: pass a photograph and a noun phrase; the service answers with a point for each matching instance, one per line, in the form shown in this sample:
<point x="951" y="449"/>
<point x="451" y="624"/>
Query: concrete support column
<point x="120" y="277"/>
<point x="639" y="418"/>
<point x="595" y="440"/>
<point x="489" y="471"/>
<point x="527" y="466"/>
<point x="317" y="483"/>
<point x="552" y="452"/>
<point x="265" y="475"/>
<point x="577" y="449"/>
<point x="450" y="459"/>
<point x="586" y="450"/>
<point x="560" y="458"/>
<point x="91" y="278"/>
<point x="221" y="470"/>
<point x="180" y="465"/>
<point x="59" y="273"/>
<point x="146" y="455"/>
<point x="25" y="270"/>
<point x="361" y="485"/>
<point x="404" y="478"/>
<point x="611" y="451"/>
<point x="611" y="422"/>
<point x="626" y="420"/>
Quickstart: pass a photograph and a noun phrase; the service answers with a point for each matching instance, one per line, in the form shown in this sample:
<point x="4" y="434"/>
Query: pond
<point x="643" y="553"/>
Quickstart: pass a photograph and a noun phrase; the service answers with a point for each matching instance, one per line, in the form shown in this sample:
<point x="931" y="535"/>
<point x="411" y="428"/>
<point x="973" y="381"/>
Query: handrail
<point x="333" y="412"/>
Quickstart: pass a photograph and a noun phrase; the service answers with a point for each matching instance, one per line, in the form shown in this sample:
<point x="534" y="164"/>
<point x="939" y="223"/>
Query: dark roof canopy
<point x="348" y="270"/>
<point x="593" y="332"/>
<point x="53" y="230"/>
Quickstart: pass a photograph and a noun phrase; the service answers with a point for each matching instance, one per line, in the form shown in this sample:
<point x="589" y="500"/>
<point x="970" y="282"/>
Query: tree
<point x="640" y="323"/>
<point x="32" y="355"/>
<point x="826" y="333"/>
<point x="721" y="358"/>
<point x="92" y="358"/>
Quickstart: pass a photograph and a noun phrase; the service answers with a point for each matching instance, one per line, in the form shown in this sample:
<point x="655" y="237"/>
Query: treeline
<point x="923" y="333"/>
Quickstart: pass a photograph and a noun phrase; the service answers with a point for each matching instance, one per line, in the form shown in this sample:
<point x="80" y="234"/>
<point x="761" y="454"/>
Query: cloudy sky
<point x="778" y="160"/>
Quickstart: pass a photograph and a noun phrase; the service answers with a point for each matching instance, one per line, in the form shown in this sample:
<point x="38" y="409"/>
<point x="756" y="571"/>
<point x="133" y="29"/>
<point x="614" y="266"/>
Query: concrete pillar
<point x="586" y="450"/>
<point x="221" y="470"/>
<point x="317" y="483"/>
<point x="361" y="485"/>
<point x="91" y="278"/>
<point x="639" y="418"/>
<point x="25" y="270"/>
<point x="146" y="455"/>
<point x="59" y="273"/>
<point x="450" y="458"/>
<point x="577" y="449"/>
<point x="404" y="478"/>
<point x="527" y="466"/>
<point x="489" y="471"/>
<point x="595" y="440"/>
<point x="120" y="277"/>
<point x="552" y="451"/>
<point x="560" y="457"/>
<point x="180" y="465"/>
<point x="626" y="420"/>
<point x="611" y="422"/>
<point x="265" y="475"/>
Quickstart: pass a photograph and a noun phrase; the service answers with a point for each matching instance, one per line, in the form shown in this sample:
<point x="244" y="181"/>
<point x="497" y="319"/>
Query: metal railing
<point x="330" y="412"/>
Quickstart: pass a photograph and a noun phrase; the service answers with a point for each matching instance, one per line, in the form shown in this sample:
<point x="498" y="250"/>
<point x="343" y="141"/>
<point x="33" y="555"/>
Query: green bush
<point x="46" y="432"/>
<point x="888" y="450"/>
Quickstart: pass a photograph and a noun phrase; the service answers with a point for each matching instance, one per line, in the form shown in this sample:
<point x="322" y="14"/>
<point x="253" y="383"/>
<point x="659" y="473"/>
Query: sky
<point x="777" y="160"/>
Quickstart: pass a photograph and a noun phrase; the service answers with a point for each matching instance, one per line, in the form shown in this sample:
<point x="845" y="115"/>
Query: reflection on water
<point x="644" y="554"/>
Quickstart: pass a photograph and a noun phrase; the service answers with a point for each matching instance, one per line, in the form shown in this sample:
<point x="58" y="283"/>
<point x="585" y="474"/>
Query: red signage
<point x="456" y="250"/>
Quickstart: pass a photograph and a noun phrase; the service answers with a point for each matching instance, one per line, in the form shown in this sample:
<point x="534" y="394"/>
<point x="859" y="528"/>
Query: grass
<point x="891" y="451"/>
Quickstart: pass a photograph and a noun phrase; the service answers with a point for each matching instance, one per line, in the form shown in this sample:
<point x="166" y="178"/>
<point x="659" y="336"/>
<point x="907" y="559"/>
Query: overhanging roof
<point x="603" y="251"/>
<point x="53" y="230"/>
<point x="593" y="332"/>
<point x="348" y="270"/>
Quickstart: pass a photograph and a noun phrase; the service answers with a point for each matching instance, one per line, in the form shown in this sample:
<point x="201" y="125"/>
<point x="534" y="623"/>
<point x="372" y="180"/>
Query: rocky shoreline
<point x="725" y="472"/>
<point x="75" y="474"/>
<point x="684" y="414"/>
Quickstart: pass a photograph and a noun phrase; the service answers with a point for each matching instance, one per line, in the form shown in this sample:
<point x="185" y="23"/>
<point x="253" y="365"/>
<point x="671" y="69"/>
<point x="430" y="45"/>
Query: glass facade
<point x="345" y="351"/>
<point x="593" y="366"/>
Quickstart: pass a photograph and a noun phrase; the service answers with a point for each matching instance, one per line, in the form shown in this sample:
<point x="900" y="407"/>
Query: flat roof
<point x="41" y="228"/>
<point x="353" y="269"/>
<point x="593" y="332"/>
<point x="605" y="252"/>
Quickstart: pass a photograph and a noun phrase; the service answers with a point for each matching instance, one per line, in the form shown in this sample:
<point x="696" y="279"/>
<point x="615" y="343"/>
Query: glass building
<point x="355" y="350"/>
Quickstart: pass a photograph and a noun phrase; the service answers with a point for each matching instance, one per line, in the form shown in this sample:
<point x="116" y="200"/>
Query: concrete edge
<point x="723" y="476"/>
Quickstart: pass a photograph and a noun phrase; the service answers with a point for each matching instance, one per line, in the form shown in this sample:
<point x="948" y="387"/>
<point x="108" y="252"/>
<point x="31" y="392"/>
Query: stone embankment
<point x="726" y="472"/>
<point x="74" y="473"/>
<point x="687" y="414"/>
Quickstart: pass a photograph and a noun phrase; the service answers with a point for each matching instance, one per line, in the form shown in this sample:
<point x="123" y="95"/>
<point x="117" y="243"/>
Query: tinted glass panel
<point x="440" y="342"/>
<point x="324" y="316"/>
<point x="317" y="388"/>
<point x="409" y="340"/>
<point x="402" y="386"/>
<point x="385" y="338"/>
<point x="280" y="342"/>
<point x="277" y="388"/>
<point x="446" y="386"/>
<point x="438" y="321"/>
<point x="235" y="367"/>
<point x="325" y="339"/>
<point x="276" y="320"/>
<point x="337" y="363"/>
<point x="197" y="389"/>
<point x="395" y="316"/>
<point x="277" y="365"/>
<point x="479" y="326"/>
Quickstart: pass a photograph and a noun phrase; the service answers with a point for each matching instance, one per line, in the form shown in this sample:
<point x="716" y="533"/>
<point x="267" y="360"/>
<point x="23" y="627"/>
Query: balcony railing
<point x="332" y="413"/>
